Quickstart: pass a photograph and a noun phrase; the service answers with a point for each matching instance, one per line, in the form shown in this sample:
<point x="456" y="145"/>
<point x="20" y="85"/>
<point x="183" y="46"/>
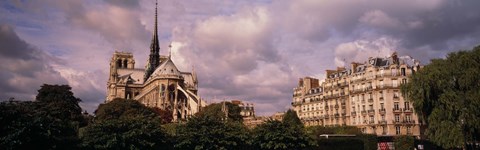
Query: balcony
<point x="381" y="110"/>
<point x="337" y="115"/>
<point x="371" y="111"/>
<point x="396" y="121"/>
<point x="395" y="97"/>
<point x="397" y="110"/>
<point x="364" y="112"/>
<point x="370" y="100"/>
<point x="296" y="103"/>
<point x="408" y="121"/>
<point x="407" y="110"/>
<point x="354" y="113"/>
<point x="382" y="121"/>
<point x="384" y="86"/>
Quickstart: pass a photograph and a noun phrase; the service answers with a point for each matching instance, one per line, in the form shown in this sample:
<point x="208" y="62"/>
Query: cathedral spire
<point x="154" y="57"/>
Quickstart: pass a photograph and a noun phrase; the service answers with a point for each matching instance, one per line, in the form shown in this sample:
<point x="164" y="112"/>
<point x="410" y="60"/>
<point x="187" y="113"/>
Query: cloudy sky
<point x="251" y="50"/>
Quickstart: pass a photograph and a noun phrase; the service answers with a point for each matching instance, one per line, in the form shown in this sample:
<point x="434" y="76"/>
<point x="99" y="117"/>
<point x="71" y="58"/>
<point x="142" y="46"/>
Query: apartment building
<point x="366" y="95"/>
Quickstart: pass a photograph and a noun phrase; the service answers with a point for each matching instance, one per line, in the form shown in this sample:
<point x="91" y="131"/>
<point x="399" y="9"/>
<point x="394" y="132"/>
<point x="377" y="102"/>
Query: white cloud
<point x="361" y="50"/>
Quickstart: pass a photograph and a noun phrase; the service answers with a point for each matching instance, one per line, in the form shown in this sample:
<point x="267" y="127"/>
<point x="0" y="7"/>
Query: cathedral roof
<point x="135" y="76"/>
<point x="167" y="68"/>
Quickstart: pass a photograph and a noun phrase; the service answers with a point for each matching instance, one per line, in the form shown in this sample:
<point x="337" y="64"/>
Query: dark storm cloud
<point x="125" y="3"/>
<point x="24" y="68"/>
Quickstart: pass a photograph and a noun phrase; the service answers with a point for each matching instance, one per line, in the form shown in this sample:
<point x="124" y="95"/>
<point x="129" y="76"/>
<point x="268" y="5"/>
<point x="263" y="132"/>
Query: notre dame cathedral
<point x="159" y="85"/>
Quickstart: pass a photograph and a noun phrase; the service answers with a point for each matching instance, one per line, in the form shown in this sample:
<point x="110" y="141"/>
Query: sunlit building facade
<point x="366" y="95"/>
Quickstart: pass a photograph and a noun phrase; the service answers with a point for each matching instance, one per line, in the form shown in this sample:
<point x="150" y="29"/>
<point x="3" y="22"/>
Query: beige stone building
<point x="247" y="109"/>
<point x="366" y="95"/>
<point x="160" y="84"/>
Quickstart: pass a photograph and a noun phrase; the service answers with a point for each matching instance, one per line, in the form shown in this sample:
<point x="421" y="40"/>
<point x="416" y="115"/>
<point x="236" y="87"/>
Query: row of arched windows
<point x="122" y="64"/>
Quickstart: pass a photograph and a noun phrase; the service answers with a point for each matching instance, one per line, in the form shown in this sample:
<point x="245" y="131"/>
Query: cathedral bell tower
<point x="154" y="57"/>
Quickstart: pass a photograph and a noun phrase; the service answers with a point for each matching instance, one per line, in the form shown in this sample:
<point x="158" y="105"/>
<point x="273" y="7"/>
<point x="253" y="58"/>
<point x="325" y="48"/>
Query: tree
<point x="275" y="134"/>
<point x="50" y="122"/>
<point x="445" y="94"/>
<point x="124" y="109"/>
<point x="124" y="124"/>
<point x="211" y="133"/>
<point x="290" y="117"/>
<point x="404" y="142"/>
<point x="59" y="102"/>
<point x="126" y="133"/>
<point x="215" y="111"/>
<point x="165" y="115"/>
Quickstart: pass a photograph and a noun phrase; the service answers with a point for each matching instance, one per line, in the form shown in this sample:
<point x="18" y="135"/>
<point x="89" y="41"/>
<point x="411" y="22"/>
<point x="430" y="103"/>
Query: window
<point x="395" y="94"/>
<point x="403" y="72"/>
<point x="370" y="107"/>
<point x="395" y="106"/>
<point x="397" y="118"/>
<point x="372" y="119"/>
<point x="363" y="107"/>
<point x="381" y="94"/>
<point x="394" y="72"/>
<point x="383" y="117"/>
<point x="407" y="105"/>
<point x="394" y="83"/>
<point x="404" y="81"/>
<point x="384" y="129"/>
<point x="397" y="130"/>
<point x="381" y="106"/>
<point x="408" y="118"/>
<point x="409" y="130"/>
<point x="381" y="72"/>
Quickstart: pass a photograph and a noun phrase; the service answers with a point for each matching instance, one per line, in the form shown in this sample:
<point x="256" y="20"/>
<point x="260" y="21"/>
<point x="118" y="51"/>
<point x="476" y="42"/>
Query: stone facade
<point x="159" y="85"/>
<point x="366" y="95"/>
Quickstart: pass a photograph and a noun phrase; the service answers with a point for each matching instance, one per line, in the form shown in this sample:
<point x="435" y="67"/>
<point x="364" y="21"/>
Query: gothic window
<point x="119" y="63"/>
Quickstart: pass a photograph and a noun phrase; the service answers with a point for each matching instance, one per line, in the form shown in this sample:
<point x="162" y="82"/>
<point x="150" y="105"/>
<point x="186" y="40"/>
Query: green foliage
<point x="404" y="142"/>
<point x="58" y="101"/>
<point x="290" y="117"/>
<point x="124" y="109"/>
<point x="127" y="133"/>
<point x="369" y="141"/>
<point x="51" y="122"/>
<point x="212" y="134"/>
<point x="215" y="111"/>
<point x="339" y="144"/>
<point x="124" y="124"/>
<point x="165" y="115"/>
<point x="445" y="94"/>
<point x="315" y="131"/>
<point x="274" y="134"/>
